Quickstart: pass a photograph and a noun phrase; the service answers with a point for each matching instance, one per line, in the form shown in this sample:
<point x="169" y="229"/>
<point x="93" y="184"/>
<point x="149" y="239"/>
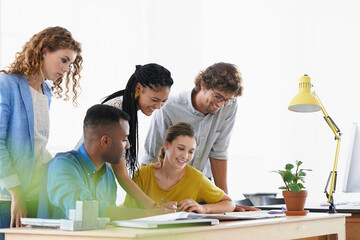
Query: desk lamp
<point x="307" y="101"/>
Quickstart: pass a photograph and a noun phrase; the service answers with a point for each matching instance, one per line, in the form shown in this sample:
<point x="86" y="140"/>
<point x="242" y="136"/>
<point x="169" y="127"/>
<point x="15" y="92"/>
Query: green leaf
<point x="282" y="173"/>
<point x="301" y="186"/>
<point x="298" y="162"/>
<point x="306" y="170"/>
<point x="289" y="166"/>
<point x="301" y="173"/>
<point x="288" y="177"/>
<point x="294" y="188"/>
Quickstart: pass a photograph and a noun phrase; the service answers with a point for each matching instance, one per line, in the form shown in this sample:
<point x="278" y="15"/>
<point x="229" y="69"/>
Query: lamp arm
<point x="333" y="173"/>
<point x="329" y="120"/>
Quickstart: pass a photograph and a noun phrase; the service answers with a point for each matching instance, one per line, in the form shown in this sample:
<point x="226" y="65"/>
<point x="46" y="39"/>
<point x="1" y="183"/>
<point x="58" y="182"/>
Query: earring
<point x="137" y="95"/>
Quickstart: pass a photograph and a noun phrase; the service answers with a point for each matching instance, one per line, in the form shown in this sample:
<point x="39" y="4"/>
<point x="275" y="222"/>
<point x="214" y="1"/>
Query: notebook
<point x="135" y="223"/>
<point x="39" y="222"/>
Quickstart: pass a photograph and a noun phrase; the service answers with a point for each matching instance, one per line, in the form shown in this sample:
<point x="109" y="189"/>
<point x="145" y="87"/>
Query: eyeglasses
<point x="218" y="98"/>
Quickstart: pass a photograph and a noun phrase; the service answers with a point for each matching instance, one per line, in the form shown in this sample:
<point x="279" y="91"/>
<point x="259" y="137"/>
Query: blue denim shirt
<point x="17" y="131"/>
<point x="72" y="176"/>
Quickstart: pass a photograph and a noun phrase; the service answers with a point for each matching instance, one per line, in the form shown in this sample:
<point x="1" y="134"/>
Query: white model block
<point x="84" y="217"/>
<point x="70" y="225"/>
<point x="72" y="214"/>
<point x="87" y="212"/>
<point x="79" y="211"/>
<point x="102" y="222"/>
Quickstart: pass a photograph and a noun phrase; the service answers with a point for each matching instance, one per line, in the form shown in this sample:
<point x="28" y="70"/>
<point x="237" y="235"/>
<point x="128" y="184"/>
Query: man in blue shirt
<point x="83" y="174"/>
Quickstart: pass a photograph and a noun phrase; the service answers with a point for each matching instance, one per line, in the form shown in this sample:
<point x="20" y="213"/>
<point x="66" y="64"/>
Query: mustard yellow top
<point x="193" y="185"/>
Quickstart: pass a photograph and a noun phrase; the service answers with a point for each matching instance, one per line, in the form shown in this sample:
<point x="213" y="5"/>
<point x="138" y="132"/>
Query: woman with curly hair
<point x="147" y="90"/>
<point x="26" y="86"/>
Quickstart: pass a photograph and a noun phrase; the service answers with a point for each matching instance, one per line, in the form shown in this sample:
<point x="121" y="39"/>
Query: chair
<point x="243" y="202"/>
<point x="273" y="201"/>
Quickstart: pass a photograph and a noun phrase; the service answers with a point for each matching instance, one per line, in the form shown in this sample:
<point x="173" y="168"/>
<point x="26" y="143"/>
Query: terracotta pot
<point x="295" y="201"/>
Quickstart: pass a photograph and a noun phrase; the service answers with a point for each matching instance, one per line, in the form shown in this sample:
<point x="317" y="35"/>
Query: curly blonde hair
<point x="223" y="76"/>
<point x="29" y="61"/>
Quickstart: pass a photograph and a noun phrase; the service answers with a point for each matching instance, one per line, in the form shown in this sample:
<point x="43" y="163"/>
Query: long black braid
<point x="151" y="75"/>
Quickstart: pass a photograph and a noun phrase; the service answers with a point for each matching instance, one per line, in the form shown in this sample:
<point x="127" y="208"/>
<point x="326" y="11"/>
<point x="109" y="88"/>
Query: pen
<point x="166" y="202"/>
<point x="278" y="211"/>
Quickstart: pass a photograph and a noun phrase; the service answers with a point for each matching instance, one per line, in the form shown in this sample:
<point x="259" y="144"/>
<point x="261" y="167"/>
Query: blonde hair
<point x="174" y="131"/>
<point x="29" y="61"/>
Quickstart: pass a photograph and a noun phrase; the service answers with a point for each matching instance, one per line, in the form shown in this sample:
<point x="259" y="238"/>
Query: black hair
<point x="153" y="76"/>
<point x="103" y="115"/>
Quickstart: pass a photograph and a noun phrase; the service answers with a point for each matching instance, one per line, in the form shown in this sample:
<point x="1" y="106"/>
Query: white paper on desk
<point x="235" y="216"/>
<point x="39" y="222"/>
<point x="179" y="219"/>
<point x="165" y="223"/>
<point x="220" y="216"/>
<point x="165" y="217"/>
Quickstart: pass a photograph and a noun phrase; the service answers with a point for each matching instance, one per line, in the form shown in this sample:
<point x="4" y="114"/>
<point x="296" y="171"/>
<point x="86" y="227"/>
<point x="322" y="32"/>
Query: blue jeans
<point x="5" y="213"/>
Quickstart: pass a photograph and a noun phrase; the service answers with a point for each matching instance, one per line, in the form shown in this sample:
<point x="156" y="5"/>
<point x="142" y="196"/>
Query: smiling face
<point x="213" y="99"/>
<point x="179" y="152"/>
<point x="151" y="99"/>
<point x="57" y="63"/>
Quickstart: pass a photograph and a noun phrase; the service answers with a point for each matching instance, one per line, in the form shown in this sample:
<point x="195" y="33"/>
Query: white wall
<point x="272" y="42"/>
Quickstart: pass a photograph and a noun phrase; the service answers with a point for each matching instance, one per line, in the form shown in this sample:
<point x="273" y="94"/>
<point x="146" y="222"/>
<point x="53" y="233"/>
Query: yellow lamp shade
<point x="305" y="101"/>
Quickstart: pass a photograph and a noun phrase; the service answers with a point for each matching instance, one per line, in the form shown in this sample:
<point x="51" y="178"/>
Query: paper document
<point x="40" y="222"/>
<point x="165" y="217"/>
<point x="182" y="219"/>
<point x="136" y="223"/>
<point x="237" y="215"/>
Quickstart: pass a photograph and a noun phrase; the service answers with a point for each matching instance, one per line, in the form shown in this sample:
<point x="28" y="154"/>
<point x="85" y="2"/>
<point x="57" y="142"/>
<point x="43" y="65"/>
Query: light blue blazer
<point x="17" y="131"/>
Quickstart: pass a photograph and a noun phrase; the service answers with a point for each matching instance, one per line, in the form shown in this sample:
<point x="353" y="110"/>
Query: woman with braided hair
<point x="147" y="90"/>
<point x="48" y="59"/>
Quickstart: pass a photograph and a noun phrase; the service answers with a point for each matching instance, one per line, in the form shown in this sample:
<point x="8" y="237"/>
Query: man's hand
<point x="18" y="206"/>
<point x="239" y="208"/>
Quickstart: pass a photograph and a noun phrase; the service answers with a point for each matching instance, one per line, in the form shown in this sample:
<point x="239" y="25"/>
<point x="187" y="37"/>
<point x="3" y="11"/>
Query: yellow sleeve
<point x="208" y="192"/>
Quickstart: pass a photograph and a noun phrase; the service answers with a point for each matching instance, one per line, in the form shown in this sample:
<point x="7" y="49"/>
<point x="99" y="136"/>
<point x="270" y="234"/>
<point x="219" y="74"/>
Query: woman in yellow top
<point x="172" y="180"/>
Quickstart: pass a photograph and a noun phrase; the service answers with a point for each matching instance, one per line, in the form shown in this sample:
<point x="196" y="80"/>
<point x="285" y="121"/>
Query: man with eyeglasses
<point x="211" y="109"/>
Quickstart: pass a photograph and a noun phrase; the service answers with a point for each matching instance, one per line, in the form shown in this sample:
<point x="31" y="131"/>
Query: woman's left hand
<point x="190" y="205"/>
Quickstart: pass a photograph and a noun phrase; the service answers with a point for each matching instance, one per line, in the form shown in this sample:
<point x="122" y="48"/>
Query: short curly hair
<point x="29" y="61"/>
<point x="222" y="76"/>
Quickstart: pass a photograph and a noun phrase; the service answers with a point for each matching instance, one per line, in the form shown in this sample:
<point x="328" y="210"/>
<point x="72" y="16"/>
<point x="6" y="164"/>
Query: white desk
<point x="312" y="225"/>
<point x="352" y="223"/>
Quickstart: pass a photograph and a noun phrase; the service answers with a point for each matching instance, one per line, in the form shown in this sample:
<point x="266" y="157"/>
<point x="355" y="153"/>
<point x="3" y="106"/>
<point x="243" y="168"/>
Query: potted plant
<point x="293" y="192"/>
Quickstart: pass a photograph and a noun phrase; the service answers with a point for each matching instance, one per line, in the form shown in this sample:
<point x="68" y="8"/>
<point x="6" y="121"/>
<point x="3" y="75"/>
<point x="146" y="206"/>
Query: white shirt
<point x="212" y="131"/>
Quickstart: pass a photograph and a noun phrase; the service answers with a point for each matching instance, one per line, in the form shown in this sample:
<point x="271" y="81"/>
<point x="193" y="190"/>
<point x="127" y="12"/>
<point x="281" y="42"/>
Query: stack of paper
<point x="39" y="222"/>
<point x="181" y="219"/>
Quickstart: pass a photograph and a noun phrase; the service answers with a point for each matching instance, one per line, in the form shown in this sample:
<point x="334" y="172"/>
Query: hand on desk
<point x="18" y="207"/>
<point x="239" y="208"/>
<point x="170" y="205"/>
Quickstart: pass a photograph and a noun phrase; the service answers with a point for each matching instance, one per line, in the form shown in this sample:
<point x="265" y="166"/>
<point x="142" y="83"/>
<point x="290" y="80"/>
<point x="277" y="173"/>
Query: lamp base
<point x="332" y="208"/>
